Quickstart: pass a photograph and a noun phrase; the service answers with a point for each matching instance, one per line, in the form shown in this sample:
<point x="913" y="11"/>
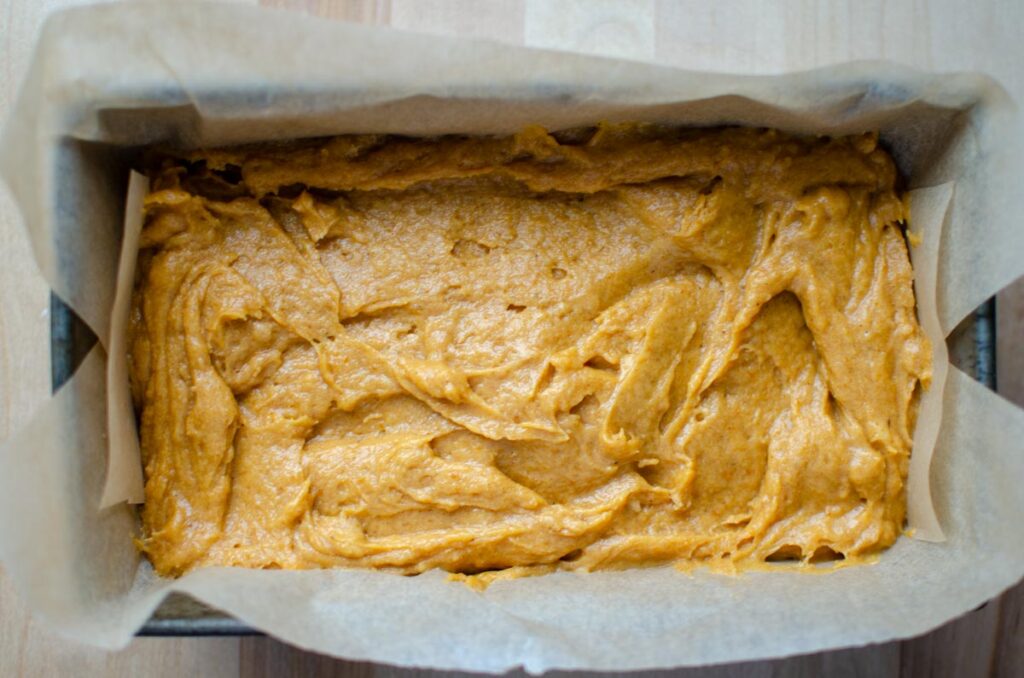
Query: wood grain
<point x="264" y="658"/>
<point x="1008" y="653"/>
<point x="741" y="35"/>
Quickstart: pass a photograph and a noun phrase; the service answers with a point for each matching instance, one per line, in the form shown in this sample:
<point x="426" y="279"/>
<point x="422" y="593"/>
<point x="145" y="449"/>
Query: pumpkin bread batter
<point x="612" y="347"/>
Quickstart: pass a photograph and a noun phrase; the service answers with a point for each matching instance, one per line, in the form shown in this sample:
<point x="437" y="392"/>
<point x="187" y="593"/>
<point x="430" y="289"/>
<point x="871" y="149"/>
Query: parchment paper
<point x="107" y="80"/>
<point x="928" y="208"/>
<point x="124" y="458"/>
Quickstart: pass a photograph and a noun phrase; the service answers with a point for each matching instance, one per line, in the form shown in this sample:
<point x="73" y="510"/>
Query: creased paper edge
<point x="928" y="210"/>
<point x="124" y="456"/>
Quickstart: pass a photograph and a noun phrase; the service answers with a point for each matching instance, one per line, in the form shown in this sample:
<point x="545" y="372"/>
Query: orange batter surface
<point x="615" y="347"/>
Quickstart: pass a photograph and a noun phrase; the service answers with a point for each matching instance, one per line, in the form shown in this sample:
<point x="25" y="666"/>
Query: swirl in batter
<point x="614" y="347"/>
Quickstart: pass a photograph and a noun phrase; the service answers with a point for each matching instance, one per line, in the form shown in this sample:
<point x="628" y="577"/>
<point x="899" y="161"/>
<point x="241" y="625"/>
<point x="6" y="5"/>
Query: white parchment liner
<point x="106" y="80"/>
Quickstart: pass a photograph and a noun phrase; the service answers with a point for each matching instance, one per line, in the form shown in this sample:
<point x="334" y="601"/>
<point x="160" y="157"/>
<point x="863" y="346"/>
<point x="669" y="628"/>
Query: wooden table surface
<point x="748" y="36"/>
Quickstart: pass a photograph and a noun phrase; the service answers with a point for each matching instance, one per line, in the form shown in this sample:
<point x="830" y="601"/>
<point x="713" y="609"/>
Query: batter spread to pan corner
<point x="619" y="346"/>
